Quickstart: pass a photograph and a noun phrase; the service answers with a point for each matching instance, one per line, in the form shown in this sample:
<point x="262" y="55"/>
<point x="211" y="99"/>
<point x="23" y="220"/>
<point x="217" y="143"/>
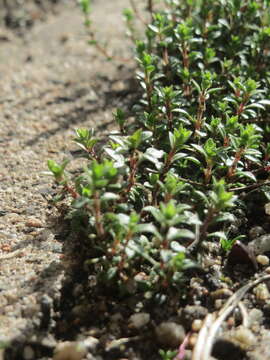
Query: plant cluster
<point x="171" y="180"/>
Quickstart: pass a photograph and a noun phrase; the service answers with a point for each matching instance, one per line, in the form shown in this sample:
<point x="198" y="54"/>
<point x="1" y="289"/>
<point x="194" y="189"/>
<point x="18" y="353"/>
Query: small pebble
<point x="46" y="235"/>
<point x="117" y="317"/>
<point x="221" y="293"/>
<point x="261" y="291"/>
<point x="208" y="262"/>
<point x="11" y="296"/>
<point x="91" y="343"/>
<point x="14" y="218"/>
<point x="267" y="208"/>
<point x="170" y="334"/>
<point x="266" y="308"/>
<point x="28" y="353"/>
<point x="244" y="336"/>
<point x="119" y="344"/>
<point x="139" y="320"/>
<point x="192" y="340"/>
<point x="69" y="350"/>
<point x="48" y="341"/>
<point x="263" y="260"/>
<point x="260" y="245"/>
<point x="218" y="304"/>
<point x="255" y="316"/>
<point x="196" y="325"/>
<point x="255" y="232"/>
<point x="34" y="223"/>
<point x="191" y="313"/>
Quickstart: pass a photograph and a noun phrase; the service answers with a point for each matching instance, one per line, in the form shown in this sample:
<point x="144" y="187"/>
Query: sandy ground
<point x="51" y="83"/>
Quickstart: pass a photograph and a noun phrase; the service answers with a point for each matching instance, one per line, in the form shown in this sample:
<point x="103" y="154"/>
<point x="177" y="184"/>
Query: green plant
<point x="159" y="188"/>
<point x="167" y="354"/>
<point x="227" y="244"/>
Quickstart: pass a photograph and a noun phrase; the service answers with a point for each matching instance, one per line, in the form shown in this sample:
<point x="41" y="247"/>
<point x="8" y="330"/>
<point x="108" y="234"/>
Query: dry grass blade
<point x="203" y="334"/>
<point x="244" y="313"/>
<point x="206" y="338"/>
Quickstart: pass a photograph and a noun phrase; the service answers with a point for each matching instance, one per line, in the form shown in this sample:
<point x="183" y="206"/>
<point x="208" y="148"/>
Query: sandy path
<point x="50" y="83"/>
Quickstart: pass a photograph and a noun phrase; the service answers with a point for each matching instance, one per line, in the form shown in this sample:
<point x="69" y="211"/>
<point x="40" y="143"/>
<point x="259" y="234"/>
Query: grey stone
<point x="260" y="245"/>
<point x="255" y="316"/>
<point x="170" y="334"/>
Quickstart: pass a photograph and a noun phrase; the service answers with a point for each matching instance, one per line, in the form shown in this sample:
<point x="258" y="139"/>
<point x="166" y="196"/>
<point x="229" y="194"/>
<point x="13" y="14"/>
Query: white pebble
<point x="263" y="260"/>
<point x="218" y="304"/>
<point x="244" y="336"/>
<point x="261" y="291"/>
<point x="139" y="320"/>
<point x="196" y="325"/>
<point x="267" y="208"/>
<point x="91" y="343"/>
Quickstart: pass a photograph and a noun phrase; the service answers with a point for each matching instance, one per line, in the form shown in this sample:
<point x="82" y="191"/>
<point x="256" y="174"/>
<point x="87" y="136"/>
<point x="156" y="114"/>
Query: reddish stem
<point x="71" y="191"/>
<point x="169" y="114"/>
<point x="97" y="214"/>
<point x="133" y="170"/>
<point x="208" y="173"/>
<point x="201" y="110"/>
<point x="232" y="169"/>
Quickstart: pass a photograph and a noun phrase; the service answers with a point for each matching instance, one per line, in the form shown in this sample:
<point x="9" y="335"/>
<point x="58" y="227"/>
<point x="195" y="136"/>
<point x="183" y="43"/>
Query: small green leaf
<point x="111" y="272"/>
<point x="109" y="196"/>
<point x="179" y="234"/>
<point x="175" y="246"/>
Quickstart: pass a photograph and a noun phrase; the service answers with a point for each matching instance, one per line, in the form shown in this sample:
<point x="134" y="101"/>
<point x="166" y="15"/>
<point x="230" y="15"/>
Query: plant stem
<point x="168" y="163"/>
<point x="150" y="9"/>
<point x="208" y="173"/>
<point x="203" y="231"/>
<point x="97" y="214"/>
<point x="136" y="12"/>
<point x="232" y="169"/>
<point x="162" y="175"/>
<point x="242" y="105"/>
<point x="133" y="170"/>
<point x="201" y="110"/>
<point x="149" y="90"/>
<point x="165" y="56"/>
<point x="185" y="56"/>
<point x="71" y="191"/>
<point x="251" y="187"/>
<point x="123" y="257"/>
<point x="104" y="51"/>
<point x="169" y="114"/>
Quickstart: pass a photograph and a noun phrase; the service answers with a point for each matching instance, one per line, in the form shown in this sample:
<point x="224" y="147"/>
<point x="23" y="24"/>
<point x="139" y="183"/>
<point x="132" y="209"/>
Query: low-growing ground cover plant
<point x="197" y="152"/>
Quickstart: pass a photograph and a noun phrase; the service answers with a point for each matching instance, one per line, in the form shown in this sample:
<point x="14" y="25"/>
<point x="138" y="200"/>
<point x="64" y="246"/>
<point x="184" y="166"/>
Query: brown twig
<point x="103" y="51"/>
<point x="151" y="9"/>
<point x="137" y="13"/>
<point x="251" y="187"/>
<point x="191" y="182"/>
